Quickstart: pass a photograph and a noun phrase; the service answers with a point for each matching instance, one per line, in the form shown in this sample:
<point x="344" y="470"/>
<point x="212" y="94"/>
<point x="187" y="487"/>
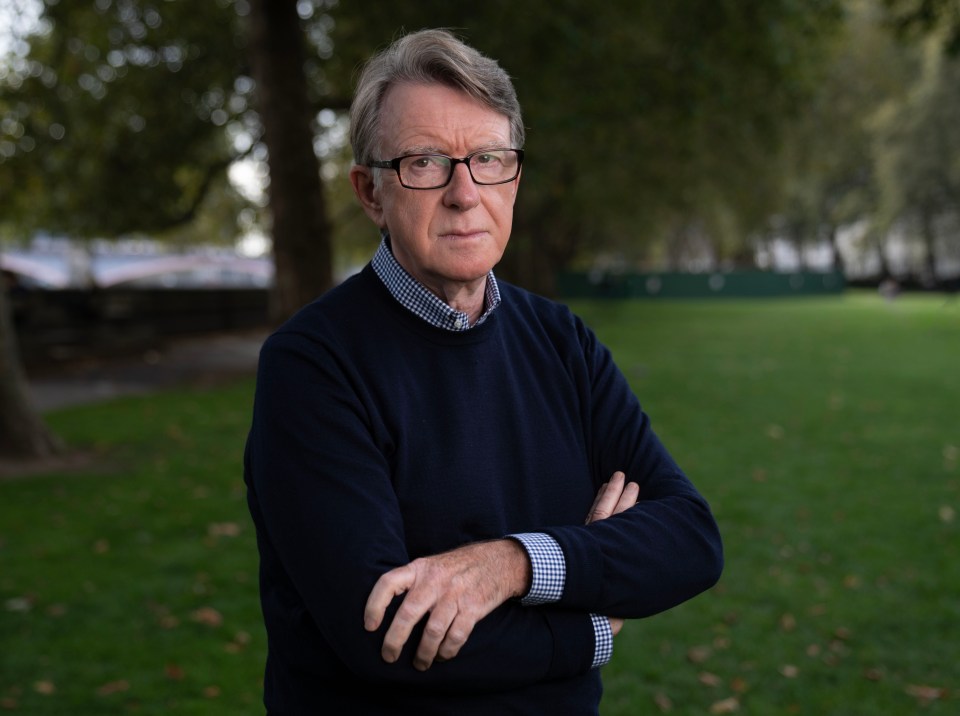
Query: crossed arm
<point x="460" y="587"/>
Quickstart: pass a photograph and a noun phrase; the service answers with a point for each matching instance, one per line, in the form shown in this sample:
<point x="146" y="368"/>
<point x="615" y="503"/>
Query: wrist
<point x="516" y="567"/>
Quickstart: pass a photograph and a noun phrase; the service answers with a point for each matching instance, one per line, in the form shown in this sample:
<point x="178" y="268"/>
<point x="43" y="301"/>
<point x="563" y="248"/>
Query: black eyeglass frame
<point x="395" y="165"/>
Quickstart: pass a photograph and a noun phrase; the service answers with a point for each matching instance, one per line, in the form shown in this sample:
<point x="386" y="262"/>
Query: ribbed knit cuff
<point x="548" y="568"/>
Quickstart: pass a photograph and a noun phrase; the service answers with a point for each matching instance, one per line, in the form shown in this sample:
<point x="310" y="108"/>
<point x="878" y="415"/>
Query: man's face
<point x="453" y="235"/>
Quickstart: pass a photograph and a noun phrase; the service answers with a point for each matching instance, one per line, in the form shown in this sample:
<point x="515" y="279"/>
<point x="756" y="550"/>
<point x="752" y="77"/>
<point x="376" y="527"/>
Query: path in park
<point x="196" y="360"/>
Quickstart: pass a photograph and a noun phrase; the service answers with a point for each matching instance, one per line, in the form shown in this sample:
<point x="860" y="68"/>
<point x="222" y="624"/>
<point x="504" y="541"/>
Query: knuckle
<point x="434" y="631"/>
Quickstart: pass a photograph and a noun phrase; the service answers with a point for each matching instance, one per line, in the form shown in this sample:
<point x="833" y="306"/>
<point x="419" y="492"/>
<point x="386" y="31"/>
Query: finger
<point x="412" y="609"/>
<point x="629" y="497"/>
<point x="609" y="497"/>
<point x="391" y="584"/>
<point x="596" y="501"/>
<point x="615" y="625"/>
<point x="457" y="635"/>
<point x="434" y="633"/>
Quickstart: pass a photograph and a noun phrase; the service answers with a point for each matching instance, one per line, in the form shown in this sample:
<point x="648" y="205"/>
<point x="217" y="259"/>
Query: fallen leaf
<point x="8" y="703"/>
<point x="101" y="546"/>
<point x="947" y="514"/>
<point x="843" y="633"/>
<point x="873" y="674"/>
<point x="663" y="702"/>
<point x="208" y="616"/>
<point x="726" y="706"/>
<point x="698" y="654"/>
<point x="926" y="694"/>
<point x="708" y="679"/>
<point x="56" y="610"/>
<point x="211" y="692"/>
<point x="788" y="622"/>
<point x="789" y="671"/>
<point x="739" y="685"/>
<point x="852" y="581"/>
<point x="174" y="672"/>
<point x="114" y="687"/>
<point x="44" y="687"/>
<point x="223" y="529"/>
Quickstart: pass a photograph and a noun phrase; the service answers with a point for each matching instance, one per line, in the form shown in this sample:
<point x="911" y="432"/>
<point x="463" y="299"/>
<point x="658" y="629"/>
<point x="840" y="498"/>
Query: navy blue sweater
<point x="377" y="439"/>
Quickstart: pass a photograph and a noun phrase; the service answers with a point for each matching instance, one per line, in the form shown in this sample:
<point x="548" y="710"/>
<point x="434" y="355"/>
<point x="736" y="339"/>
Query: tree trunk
<point x="928" y="272"/>
<point x="22" y="432"/>
<point x="301" y="232"/>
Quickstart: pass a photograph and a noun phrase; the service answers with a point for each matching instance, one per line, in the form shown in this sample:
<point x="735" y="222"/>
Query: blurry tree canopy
<point x="643" y="117"/>
<point x="918" y="160"/>
<point x="921" y="17"/>
<point x="115" y="120"/>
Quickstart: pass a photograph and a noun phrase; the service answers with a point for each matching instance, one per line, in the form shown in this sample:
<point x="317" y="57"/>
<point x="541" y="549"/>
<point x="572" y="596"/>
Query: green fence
<point x="732" y="284"/>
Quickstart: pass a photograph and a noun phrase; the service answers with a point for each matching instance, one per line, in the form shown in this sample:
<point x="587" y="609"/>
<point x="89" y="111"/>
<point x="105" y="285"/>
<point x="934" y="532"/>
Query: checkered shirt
<point x="415" y="297"/>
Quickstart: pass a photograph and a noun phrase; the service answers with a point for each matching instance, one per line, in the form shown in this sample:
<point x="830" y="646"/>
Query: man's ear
<point x="368" y="193"/>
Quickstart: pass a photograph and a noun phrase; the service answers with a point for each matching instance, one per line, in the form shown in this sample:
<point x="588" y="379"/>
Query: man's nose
<point x="462" y="192"/>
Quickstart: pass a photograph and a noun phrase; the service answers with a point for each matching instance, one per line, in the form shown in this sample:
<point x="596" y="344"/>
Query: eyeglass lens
<point x="434" y="170"/>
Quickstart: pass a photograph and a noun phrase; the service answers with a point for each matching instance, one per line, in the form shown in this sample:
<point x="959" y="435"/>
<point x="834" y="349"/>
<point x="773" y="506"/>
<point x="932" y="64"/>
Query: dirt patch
<point x="68" y="462"/>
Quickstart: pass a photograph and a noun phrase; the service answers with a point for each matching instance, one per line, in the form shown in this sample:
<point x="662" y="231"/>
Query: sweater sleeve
<point x="659" y="553"/>
<point x="329" y="524"/>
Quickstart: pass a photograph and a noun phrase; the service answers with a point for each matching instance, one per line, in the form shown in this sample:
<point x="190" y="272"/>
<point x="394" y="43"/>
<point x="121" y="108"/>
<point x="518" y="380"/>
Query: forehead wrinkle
<point x="435" y="149"/>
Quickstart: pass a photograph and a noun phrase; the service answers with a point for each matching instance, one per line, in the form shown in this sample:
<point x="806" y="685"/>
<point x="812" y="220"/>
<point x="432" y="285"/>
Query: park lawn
<point x="824" y="431"/>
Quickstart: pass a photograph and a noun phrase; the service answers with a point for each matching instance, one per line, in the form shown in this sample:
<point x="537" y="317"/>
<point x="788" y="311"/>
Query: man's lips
<point x="463" y="234"/>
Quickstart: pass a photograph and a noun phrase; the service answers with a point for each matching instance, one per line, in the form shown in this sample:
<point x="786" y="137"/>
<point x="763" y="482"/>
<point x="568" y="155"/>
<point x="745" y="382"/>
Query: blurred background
<point x="171" y="167"/>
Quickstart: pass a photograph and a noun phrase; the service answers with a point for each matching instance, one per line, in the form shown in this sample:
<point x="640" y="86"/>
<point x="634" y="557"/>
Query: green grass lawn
<point x="825" y="433"/>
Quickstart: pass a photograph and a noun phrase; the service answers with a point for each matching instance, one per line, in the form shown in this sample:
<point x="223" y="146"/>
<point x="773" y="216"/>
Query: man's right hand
<point x="613" y="498"/>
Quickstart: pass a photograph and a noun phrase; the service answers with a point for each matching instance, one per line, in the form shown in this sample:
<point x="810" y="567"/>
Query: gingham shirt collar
<point x="416" y="298"/>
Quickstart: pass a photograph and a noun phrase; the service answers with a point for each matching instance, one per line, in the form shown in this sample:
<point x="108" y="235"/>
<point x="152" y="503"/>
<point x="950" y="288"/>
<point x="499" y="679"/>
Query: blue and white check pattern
<point x="547" y="562"/>
<point x="415" y="297"/>
<point x="548" y="567"/>
<point x="603" y="636"/>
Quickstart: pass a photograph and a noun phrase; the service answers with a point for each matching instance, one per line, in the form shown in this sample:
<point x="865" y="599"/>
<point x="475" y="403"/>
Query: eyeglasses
<point x="433" y="171"/>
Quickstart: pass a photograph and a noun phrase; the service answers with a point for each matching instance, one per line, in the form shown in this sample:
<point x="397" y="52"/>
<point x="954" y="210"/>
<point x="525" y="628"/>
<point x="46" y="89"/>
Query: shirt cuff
<point x="548" y="568"/>
<point x="603" y="640"/>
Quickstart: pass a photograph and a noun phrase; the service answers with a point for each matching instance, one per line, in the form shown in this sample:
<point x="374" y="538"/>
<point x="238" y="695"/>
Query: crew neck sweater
<point x="378" y="438"/>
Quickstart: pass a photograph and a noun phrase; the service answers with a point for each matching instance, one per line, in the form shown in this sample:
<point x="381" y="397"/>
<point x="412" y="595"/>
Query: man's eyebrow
<point x="433" y="149"/>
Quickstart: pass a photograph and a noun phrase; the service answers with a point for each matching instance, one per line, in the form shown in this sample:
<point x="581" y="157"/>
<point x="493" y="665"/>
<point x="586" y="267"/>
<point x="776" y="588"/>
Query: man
<point x="457" y="497"/>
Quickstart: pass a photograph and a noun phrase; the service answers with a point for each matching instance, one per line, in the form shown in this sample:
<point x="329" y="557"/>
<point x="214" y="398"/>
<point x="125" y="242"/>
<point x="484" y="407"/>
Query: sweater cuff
<point x="603" y="640"/>
<point x="548" y="568"/>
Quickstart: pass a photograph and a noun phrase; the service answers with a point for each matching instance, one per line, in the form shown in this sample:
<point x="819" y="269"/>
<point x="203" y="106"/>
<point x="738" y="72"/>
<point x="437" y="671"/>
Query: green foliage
<point x="823" y="431"/>
<point x="115" y="120"/>
<point x="640" y="115"/>
<point x="920" y="17"/>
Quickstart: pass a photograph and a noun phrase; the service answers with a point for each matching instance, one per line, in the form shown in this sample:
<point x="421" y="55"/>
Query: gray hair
<point x="428" y="57"/>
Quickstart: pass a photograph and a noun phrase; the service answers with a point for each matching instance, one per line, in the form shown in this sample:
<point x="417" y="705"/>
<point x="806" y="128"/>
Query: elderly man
<point x="457" y="497"/>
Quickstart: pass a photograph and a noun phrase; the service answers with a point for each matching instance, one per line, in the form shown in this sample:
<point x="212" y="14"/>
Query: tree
<point x="22" y="432"/>
<point x="642" y="116"/>
<point x="302" y="253"/>
<point x="827" y="159"/>
<point x="121" y="116"/>
<point x="918" y="145"/>
<point x="921" y="17"/>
